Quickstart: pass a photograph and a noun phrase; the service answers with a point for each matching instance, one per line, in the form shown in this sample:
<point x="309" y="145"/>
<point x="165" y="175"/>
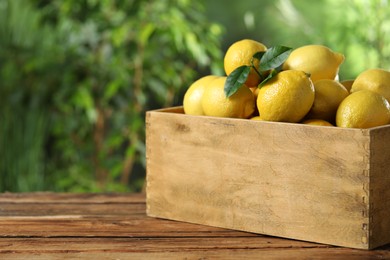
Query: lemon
<point x="241" y="53"/>
<point x="256" y="118"/>
<point x="192" y="98"/>
<point x="239" y="105"/>
<point x="377" y="80"/>
<point x="319" y="122"/>
<point x="286" y="97"/>
<point x="347" y="84"/>
<point x="328" y="95"/>
<point x="317" y="60"/>
<point x="363" y="109"/>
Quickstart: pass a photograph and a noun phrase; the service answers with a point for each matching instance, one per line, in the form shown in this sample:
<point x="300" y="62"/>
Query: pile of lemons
<point x="306" y="90"/>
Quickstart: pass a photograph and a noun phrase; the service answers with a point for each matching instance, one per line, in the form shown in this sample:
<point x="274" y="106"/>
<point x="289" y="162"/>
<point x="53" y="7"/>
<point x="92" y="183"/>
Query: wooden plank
<point x="156" y="244"/>
<point x="75" y="209"/>
<point x="82" y="198"/>
<point x="280" y="179"/>
<point x="224" y="254"/>
<point x="64" y="225"/>
<point x="177" y="248"/>
<point x="379" y="187"/>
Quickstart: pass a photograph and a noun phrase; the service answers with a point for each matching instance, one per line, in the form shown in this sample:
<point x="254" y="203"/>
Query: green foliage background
<point x="76" y="80"/>
<point x="357" y="28"/>
<point x="76" y="76"/>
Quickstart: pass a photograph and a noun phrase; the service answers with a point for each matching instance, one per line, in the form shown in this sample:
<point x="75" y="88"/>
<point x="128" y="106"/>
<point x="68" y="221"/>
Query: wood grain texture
<point x="289" y="180"/>
<point x="379" y="187"/>
<point x="175" y="248"/>
<point x="115" y="226"/>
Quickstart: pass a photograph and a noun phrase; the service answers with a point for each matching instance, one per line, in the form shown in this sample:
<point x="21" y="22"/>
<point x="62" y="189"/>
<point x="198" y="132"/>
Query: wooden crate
<point x="322" y="184"/>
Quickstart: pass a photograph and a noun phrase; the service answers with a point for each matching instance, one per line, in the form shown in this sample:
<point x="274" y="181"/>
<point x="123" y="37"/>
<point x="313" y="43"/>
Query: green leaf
<point x="274" y="57"/>
<point x="272" y="74"/>
<point x="259" y="55"/>
<point x="236" y="79"/>
<point x="146" y="32"/>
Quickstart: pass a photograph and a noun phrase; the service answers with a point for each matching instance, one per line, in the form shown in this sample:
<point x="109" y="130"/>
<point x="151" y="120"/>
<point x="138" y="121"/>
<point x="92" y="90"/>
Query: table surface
<point x="115" y="226"/>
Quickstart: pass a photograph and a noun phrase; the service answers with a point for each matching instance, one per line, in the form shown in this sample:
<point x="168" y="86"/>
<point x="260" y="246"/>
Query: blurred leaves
<point x="77" y="78"/>
<point x="362" y="32"/>
<point x="357" y="28"/>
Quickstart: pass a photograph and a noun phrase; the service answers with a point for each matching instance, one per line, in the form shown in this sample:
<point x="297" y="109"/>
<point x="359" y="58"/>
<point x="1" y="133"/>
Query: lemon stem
<point x="258" y="73"/>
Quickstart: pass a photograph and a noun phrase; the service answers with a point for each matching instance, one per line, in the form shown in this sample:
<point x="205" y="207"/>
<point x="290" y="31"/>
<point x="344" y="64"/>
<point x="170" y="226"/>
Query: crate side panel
<point x="380" y="187"/>
<point x="271" y="178"/>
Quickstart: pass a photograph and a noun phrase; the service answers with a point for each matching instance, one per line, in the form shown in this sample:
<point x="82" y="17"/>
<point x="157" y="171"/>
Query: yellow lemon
<point x="363" y="109"/>
<point x="377" y="80"/>
<point x="192" y="98"/>
<point x="256" y="118"/>
<point x="328" y="95"/>
<point x="241" y="53"/>
<point x="239" y="105"/>
<point x="287" y="97"/>
<point x="319" y="122"/>
<point x="347" y="84"/>
<point x="317" y="60"/>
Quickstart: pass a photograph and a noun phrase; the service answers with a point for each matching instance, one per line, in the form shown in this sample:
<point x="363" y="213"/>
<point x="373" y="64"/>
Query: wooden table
<point x="114" y="226"/>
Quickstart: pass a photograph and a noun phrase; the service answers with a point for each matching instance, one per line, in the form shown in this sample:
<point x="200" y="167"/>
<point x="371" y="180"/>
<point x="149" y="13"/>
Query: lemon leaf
<point x="236" y="79"/>
<point x="270" y="76"/>
<point x="274" y="57"/>
<point x="259" y="55"/>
